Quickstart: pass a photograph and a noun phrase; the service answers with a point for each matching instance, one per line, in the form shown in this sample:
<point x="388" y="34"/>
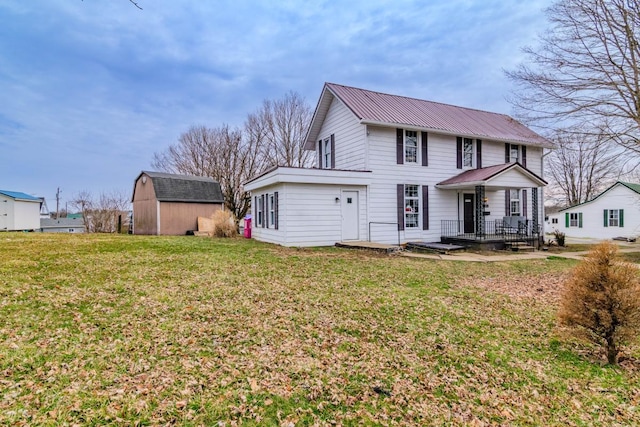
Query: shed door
<point x="4" y="215"/>
<point x="350" y="215"/>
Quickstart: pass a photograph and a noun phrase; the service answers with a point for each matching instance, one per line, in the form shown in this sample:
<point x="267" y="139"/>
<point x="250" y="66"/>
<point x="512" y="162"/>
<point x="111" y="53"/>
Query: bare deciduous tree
<point x="586" y="69"/>
<point x="219" y="153"/>
<point x="102" y="214"/>
<point x="282" y="125"/>
<point x="581" y="166"/>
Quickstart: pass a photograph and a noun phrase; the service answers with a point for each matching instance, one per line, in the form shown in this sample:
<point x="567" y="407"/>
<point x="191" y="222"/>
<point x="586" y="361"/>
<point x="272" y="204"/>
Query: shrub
<point x="559" y="236"/>
<point x="601" y="300"/>
<point x="224" y="224"/>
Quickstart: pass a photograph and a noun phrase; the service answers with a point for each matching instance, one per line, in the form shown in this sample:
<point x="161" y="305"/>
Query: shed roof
<point x="633" y="187"/>
<point x="16" y="195"/>
<point x="393" y="110"/>
<point x="184" y="188"/>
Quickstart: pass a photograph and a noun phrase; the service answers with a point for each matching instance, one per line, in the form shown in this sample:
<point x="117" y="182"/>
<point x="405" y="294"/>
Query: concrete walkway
<point x="474" y="257"/>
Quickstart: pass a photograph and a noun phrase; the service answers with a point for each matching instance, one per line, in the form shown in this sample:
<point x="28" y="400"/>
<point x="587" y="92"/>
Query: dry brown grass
<point x="224" y="224"/>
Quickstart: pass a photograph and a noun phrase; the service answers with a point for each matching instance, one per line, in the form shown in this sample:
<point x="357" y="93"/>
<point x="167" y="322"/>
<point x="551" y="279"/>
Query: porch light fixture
<point x="337" y="199"/>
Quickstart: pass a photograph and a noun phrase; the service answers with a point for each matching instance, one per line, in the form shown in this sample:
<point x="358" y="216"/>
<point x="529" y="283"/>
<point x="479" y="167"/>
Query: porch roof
<point x="508" y="175"/>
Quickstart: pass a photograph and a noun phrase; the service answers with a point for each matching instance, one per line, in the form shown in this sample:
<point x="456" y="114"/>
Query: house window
<point x="614" y="218"/>
<point x="573" y="219"/>
<point x="326" y="162"/>
<point x="411" y="206"/>
<point x="554" y="220"/>
<point x="259" y="213"/>
<point x="467" y="153"/>
<point x="514" y="197"/>
<point x="272" y="211"/>
<point x="514" y="153"/>
<point x="410" y="146"/>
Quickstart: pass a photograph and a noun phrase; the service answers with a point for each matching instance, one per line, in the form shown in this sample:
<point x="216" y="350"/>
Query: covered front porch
<point x="498" y="208"/>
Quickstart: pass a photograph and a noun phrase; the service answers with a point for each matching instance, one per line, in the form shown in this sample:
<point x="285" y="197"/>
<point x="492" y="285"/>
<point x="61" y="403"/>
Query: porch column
<point x="534" y="209"/>
<point x="479" y="210"/>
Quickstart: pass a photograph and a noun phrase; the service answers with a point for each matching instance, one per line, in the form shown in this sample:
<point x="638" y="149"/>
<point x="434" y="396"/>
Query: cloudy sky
<point x="89" y="90"/>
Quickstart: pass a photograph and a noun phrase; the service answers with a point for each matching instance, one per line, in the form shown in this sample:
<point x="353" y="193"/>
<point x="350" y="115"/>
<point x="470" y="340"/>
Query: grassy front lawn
<point x="110" y="329"/>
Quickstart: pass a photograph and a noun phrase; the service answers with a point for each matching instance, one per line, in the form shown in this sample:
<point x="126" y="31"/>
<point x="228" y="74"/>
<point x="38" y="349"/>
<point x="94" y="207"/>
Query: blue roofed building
<point x="19" y="211"/>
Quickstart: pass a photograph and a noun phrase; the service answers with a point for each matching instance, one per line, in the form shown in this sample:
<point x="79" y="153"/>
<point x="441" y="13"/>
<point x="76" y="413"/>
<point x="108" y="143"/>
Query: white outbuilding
<point x="613" y="213"/>
<point x="19" y="211"/>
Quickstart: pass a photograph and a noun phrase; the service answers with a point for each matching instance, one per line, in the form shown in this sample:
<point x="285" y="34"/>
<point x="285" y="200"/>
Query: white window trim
<point x="272" y="211"/>
<point x="614" y="218"/>
<point x="326" y="153"/>
<point x="574" y="220"/>
<point x="472" y="153"/>
<point x="417" y="147"/>
<point x="515" y="147"/>
<point x="260" y="215"/>
<point x="415" y="213"/>
<point x="512" y="201"/>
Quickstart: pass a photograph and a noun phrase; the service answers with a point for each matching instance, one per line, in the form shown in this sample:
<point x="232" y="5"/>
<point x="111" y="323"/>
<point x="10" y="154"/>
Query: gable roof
<point x="184" y="188"/>
<point x="16" y="195"/>
<point x="393" y="110"/>
<point x="483" y="176"/>
<point x="633" y="187"/>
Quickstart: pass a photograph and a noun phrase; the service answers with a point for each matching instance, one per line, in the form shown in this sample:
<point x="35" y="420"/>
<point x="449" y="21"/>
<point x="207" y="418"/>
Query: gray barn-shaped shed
<point x="170" y="204"/>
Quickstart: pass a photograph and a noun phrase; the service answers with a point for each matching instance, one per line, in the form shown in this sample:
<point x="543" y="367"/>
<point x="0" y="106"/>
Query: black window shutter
<point x="524" y="203"/>
<point x="400" y="198"/>
<point x="507" y="153"/>
<point x="606" y="217"/>
<point x="276" y="209"/>
<point x="459" y="152"/>
<point x="478" y="153"/>
<point x="333" y="151"/>
<point x="425" y="150"/>
<point x="263" y="201"/>
<point x="320" y="154"/>
<point x="425" y="207"/>
<point x="399" y="146"/>
<point x="524" y="156"/>
<point x="507" y="202"/>
<point x="621" y="218"/>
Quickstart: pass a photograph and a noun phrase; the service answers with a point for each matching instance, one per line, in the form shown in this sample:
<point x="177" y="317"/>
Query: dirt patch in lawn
<point x="545" y="288"/>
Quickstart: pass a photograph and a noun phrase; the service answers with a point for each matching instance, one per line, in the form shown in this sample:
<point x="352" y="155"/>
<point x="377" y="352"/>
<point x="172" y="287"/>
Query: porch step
<point x="520" y="247"/>
<point x="442" y="248"/>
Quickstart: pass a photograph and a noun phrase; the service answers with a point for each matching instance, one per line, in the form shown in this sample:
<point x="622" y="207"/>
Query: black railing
<point x="497" y="230"/>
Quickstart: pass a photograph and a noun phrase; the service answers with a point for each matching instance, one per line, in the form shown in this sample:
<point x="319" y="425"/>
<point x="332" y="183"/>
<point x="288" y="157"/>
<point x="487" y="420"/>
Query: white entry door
<point x="350" y="215"/>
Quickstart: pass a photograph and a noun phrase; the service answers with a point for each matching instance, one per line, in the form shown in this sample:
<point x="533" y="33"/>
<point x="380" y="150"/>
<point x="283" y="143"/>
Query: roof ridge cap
<point x="421" y="100"/>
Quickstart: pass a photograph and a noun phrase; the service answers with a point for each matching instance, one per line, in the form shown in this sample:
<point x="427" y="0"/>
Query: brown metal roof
<point x="485" y="174"/>
<point x="381" y="108"/>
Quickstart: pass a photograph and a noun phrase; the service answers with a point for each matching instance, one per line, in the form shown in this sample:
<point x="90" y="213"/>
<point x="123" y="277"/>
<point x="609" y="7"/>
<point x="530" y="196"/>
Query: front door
<point x="469" y="210"/>
<point x="350" y="214"/>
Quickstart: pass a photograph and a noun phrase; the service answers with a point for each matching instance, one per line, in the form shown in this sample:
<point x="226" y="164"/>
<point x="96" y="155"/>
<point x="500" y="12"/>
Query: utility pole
<point x="58" y="203"/>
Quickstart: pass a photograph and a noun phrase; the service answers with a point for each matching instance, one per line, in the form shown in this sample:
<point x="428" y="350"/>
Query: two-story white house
<point x="393" y="169"/>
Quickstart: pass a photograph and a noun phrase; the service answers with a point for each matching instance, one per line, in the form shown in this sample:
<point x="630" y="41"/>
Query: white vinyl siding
<point x="311" y="220"/>
<point x="309" y="214"/>
<point x="598" y="224"/>
<point x="349" y="136"/>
